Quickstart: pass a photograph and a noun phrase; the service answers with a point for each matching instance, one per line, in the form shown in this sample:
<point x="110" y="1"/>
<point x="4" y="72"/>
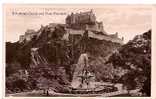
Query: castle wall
<point x="29" y="34"/>
<point x="105" y="37"/>
<point x="97" y="27"/>
<point x="97" y="36"/>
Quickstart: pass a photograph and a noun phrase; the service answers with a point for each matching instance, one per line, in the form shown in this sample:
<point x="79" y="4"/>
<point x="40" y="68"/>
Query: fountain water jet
<point x="83" y="78"/>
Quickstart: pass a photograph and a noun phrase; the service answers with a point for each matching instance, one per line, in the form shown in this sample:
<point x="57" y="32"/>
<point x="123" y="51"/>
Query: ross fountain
<point x="84" y="81"/>
<point x="82" y="77"/>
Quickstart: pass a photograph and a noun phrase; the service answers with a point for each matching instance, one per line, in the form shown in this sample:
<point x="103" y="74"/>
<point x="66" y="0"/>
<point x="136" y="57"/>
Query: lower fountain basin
<point x="97" y="90"/>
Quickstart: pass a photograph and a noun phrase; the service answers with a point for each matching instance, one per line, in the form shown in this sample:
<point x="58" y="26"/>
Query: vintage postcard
<point x="77" y="50"/>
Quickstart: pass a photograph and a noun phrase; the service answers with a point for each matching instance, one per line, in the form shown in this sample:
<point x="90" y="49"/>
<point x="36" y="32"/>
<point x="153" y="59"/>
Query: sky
<point x="127" y="20"/>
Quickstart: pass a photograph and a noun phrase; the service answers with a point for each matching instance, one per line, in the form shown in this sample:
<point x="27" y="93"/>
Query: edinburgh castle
<point x="76" y="24"/>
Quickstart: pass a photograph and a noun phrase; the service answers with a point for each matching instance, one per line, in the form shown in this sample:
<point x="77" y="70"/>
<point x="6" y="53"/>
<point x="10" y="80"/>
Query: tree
<point x="136" y="57"/>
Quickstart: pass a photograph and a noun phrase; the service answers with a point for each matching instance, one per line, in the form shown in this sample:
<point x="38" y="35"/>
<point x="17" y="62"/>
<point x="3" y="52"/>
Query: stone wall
<point x="97" y="36"/>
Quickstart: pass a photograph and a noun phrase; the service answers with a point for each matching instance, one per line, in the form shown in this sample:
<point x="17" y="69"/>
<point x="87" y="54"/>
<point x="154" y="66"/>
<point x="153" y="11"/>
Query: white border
<point x="2" y="37"/>
<point x="82" y="1"/>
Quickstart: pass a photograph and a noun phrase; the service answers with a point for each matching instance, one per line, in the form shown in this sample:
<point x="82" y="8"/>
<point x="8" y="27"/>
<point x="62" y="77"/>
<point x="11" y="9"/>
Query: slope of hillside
<point x="47" y="61"/>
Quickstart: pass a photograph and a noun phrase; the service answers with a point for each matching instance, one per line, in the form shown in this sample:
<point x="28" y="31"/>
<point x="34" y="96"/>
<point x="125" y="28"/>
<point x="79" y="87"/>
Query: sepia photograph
<point x="101" y="50"/>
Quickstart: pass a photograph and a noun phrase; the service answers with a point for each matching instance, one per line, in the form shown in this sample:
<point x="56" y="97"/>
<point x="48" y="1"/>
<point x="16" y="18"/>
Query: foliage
<point x="136" y="57"/>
